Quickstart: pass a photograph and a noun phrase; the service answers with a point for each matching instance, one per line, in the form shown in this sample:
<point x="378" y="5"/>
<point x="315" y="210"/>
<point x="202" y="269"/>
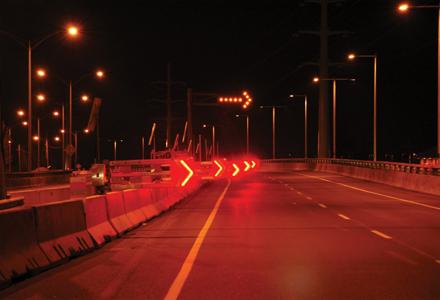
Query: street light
<point x="20" y="113"/>
<point x="72" y="31"/>
<point x="41" y="73"/>
<point x="56" y="113"/>
<point x="405" y="7"/>
<point x="100" y="74"/>
<point x="41" y="97"/>
<point x="84" y="98"/>
<point x="247" y="131"/>
<point x="305" y="120"/>
<point x="334" y="80"/>
<point x="352" y="57"/>
<point x="273" y="126"/>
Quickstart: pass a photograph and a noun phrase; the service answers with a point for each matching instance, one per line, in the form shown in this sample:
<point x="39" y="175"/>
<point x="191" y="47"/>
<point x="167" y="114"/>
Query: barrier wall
<point x="411" y="181"/>
<point x="97" y="221"/>
<point x="148" y="206"/>
<point x="20" y="253"/>
<point x="61" y="229"/>
<point x="116" y="212"/>
<point x="133" y="206"/>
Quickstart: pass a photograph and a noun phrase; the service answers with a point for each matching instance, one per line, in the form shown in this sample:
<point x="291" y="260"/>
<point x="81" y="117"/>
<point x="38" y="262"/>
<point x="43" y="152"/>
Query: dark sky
<point x="225" y="48"/>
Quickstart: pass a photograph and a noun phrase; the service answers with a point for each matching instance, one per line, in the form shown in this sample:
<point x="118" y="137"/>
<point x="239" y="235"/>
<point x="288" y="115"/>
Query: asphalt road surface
<point x="298" y="235"/>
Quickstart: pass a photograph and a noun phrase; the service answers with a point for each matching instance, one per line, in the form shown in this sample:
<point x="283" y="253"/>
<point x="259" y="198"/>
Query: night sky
<point x="225" y="48"/>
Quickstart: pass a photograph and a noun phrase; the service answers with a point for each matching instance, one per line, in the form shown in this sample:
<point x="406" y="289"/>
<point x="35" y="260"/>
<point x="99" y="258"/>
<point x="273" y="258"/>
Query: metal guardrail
<point x="426" y="167"/>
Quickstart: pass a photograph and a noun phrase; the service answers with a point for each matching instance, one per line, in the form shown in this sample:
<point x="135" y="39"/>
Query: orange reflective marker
<point x="220" y="168"/>
<point x="237" y="170"/>
<point x="190" y="173"/>
<point x="248" y="166"/>
<point x="253" y="164"/>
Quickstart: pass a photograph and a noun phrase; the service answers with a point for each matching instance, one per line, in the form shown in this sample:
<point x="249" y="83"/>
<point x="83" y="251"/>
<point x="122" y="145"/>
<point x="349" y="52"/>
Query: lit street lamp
<point x="247" y="131"/>
<point x="273" y="127"/>
<point x="353" y="56"/>
<point x="405" y="7"/>
<point x="334" y="80"/>
<point x="305" y="120"/>
<point x="71" y="31"/>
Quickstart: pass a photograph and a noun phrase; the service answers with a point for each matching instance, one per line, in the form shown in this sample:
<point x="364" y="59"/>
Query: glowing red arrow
<point x="237" y="170"/>
<point x="220" y="168"/>
<point x="248" y="166"/>
<point x="190" y="172"/>
<point x="253" y="164"/>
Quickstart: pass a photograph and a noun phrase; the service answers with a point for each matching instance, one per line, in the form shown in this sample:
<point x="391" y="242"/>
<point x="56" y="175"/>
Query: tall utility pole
<point x="189" y="119"/>
<point x="168" y="105"/>
<point x="323" y="86"/>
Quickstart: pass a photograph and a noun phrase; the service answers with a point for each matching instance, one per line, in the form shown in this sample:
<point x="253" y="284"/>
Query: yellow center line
<point x="375" y="193"/>
<point x="381" y="234"/>
<point x="182" y="276"/>
<point x="344" y="217"/>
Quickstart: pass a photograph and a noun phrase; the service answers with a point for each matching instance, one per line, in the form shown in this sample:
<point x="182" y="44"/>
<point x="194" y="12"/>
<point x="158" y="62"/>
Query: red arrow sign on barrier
<point x="237" y="170"/>
<point x="190" y="172"/>
<point x="253" y="164"/>
<point x="248" y="166"/>
<point x="220" y="168"/>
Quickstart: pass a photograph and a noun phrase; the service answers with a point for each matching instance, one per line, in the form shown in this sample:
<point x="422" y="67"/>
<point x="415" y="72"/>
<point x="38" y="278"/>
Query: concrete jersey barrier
<point x="20" y="253"/>
<point x="116" y="212"/>
<point x="97" y="221"/>
<point x="133" y="206"/>
<point x="61" y="229"/>
<point x="148" y="206"/>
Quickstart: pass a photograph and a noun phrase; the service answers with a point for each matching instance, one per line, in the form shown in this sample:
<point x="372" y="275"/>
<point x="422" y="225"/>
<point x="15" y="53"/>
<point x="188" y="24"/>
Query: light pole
<point x="305" y="121"/>
<point x="403" y="8"/>
<point x="247" y="131"/>
<point x="334" y="80"/>
<point x="274" y="107"/>
<point x="353" y="56"/>
<point x="71" y="31"/>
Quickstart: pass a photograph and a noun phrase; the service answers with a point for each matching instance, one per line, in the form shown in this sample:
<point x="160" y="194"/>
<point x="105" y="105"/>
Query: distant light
<point x="56" y="139"/>
<point x="24" y="123"/>
<point x="86" y="130"/>
<point x="56" y="113"/>
<point x="100" y="74"/>
<point x="221" y="99"/>
<point x="316" y="79"/>
<point x="291" y="96"/>
<point x="36" y="138"/>
<point x="62" y="131"/>
<point x="237" y="116"/>
<point x="84" y="98"/>
<point x="204" y="125"/>
<point x="41" y="73"/>
<point x="41" y="97"/>
<point x="20" y="113"/>
<point x="73" y="31"/>
<point x="351" y="56"/>
<point x="9" y="142"/>
<point x="403" y="7"/>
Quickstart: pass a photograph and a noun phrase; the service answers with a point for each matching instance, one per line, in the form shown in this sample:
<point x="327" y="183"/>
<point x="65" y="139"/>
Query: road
<point x="297" y="235"/>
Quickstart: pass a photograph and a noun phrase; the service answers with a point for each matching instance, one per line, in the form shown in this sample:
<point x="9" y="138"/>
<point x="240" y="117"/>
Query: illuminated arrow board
<point x="244" y="100"/>
<point x="220" y="168"/>
<point x="236" y="170"/>
<point x="247" y="166"/>
<point x="189" y="175"/>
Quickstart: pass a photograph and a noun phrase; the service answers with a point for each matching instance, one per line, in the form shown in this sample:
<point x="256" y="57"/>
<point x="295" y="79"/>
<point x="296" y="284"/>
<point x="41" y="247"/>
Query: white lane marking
<point x="299" y="193"/>
<point x="322" y="205"/>
<point x="437" y="261"/>
<point x="381" y="234"/>
<point x="175" y="289"/>
<point x="309" y="198"/>
<point x="401" y="257"/>
<point x="375" y="193"/>
<point x="344" y="217"/>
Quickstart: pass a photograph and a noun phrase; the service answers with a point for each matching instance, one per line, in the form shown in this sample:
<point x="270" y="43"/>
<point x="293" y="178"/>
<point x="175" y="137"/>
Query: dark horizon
<point x="225" y="49"/>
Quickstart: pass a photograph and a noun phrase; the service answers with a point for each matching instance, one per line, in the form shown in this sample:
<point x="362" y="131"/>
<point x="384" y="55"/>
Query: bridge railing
<point x="426" y="167"/>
